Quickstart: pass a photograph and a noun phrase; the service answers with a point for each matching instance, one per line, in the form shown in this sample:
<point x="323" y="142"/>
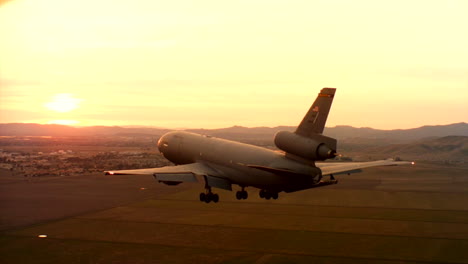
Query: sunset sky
<point x="212" y="64"/>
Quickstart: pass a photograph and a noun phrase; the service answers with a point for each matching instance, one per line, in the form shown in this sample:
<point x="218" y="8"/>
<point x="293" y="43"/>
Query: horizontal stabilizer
<point x="352" y="167"/>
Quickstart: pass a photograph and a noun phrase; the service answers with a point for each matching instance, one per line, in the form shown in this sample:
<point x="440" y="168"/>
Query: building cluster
<point x="68" y="162"/>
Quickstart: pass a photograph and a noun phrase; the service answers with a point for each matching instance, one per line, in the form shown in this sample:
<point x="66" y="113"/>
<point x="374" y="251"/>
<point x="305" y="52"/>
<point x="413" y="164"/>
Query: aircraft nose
<point x="163" y="143"/>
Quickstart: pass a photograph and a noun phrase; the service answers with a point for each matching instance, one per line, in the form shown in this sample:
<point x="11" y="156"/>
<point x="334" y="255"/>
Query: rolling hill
<point x="339" y="132"/>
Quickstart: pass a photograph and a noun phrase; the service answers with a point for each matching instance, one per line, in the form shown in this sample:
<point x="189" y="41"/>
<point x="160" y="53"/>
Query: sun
<point x="63" y="103"/>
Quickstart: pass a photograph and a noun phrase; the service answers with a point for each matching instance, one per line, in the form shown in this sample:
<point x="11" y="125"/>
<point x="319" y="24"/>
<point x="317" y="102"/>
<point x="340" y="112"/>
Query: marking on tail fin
<point x="315" y="119"/>
<point x="326" y="95"/>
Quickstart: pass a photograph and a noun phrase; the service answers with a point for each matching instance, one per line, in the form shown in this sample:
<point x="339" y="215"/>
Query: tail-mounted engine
<point x="314" y="147"/>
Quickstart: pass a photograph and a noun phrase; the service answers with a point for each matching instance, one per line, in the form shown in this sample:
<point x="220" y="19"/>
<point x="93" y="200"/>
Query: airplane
<point x="222" y="163"/>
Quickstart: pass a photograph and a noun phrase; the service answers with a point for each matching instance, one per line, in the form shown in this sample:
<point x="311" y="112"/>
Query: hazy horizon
<point x="212" y="64"/>
<point x="214" y="128"/>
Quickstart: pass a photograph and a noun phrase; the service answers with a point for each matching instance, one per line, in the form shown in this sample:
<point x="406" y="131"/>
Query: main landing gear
<point x="268" y="195"/>
<point x="208" y="196"/>
<point x="242" y="195"/>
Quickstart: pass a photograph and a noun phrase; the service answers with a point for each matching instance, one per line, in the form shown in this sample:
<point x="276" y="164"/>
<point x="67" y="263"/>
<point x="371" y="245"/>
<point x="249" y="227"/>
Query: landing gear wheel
<point x="239" y="195"/>
<point x="267" y="195"/>
<point x="202" y="197"/>
<point x="215" y="198"/>
<point x="261" y="194"/>
<point x="242" y="195"/>
<point x="274" y="196"/>
<point x="245" y="195"/>
<point x="209" y="197"/>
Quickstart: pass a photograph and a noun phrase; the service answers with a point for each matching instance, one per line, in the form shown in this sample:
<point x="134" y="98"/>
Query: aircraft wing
<point x="353" y="167"/>
<point x="173" y="175"/>
<point x="192" y="168"/>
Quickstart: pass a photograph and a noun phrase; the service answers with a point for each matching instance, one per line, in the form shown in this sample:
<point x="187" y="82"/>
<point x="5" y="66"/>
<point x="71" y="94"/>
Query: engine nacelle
<point x="316" y="147"/>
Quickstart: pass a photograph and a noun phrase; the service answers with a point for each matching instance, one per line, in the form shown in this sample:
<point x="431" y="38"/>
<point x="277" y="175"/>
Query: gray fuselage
<point x="234" y="161"/>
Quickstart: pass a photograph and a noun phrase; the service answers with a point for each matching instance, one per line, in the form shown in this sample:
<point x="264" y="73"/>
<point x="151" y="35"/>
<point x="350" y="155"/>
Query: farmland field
<point x="384" y="215"/>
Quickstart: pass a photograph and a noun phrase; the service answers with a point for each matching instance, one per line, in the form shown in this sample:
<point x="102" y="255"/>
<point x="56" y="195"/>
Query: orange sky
<point x="193" y="64"/>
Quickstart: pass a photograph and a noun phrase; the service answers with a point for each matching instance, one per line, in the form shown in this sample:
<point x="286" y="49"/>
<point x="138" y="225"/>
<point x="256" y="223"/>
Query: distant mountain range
<point x="25" y="129"/>
<point x="449" y="148"/>
<point x="348" y="133"/>
<point x="436" y="143"/>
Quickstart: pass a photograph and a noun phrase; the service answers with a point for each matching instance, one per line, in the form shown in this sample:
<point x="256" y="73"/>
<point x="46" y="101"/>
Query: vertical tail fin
<point x="307" y="142"/>
<point x="315" y="119"/>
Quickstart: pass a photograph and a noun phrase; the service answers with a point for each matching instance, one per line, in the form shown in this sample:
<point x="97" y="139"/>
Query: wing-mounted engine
<point x="313" y="147"/>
